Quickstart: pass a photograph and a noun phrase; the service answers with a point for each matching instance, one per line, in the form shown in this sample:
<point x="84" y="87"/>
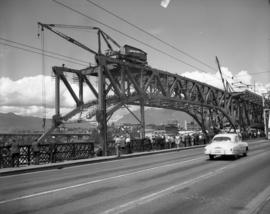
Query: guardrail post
<point x="28" y="155"/>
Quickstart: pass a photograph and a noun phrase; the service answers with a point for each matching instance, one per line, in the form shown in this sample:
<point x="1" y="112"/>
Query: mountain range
<point x="10" y="122"/>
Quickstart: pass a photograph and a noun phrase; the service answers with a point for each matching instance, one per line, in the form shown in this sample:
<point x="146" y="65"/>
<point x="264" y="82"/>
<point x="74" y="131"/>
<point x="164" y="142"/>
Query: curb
<point x="61" y="165"/>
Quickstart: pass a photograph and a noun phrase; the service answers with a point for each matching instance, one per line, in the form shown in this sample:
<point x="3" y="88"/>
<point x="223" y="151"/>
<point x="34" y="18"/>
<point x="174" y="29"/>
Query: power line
<point x="153" y="36"/>
<point x="31" y="51"/>
<point x="126" y="35"/>
<point x="50" y="52"/>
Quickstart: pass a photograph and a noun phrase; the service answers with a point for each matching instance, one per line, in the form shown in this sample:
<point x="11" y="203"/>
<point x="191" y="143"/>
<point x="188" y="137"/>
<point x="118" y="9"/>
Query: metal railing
<point x="49" y="153"/>
<point x="52" y="152"/>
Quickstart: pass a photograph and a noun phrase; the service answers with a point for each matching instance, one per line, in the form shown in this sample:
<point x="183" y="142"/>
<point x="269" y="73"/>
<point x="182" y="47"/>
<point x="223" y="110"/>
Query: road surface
<point x="176" y="182"/>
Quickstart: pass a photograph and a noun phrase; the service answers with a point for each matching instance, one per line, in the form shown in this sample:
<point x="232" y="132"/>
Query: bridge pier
<point x="101" y="115"/>
<point x="142" y="134"/>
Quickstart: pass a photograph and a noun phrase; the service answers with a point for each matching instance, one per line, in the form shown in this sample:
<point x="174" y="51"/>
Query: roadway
<point x="176" y="182"/>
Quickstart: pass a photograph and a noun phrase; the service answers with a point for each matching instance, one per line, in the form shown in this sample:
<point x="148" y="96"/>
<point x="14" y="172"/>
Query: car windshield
<point x="218" y="139"/>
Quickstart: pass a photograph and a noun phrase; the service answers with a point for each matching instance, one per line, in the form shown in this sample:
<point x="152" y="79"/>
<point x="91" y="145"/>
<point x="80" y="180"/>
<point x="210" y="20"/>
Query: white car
<point x="229" y="144"/>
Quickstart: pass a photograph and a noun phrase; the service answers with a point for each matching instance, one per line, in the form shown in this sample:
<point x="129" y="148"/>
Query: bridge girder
<point x="131" y="84"/>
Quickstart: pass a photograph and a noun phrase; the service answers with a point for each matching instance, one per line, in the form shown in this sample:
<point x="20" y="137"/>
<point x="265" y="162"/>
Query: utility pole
<point x="266" y="114"/>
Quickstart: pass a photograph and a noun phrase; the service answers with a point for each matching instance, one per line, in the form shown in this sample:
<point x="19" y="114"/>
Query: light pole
<point x="266" y="114"/>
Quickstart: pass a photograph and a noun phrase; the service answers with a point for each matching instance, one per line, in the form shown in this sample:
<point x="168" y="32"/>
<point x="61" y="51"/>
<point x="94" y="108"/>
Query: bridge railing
<point x="49" y="153"/>
<point x="138" y="145"/>
<point x="58" y="152"/>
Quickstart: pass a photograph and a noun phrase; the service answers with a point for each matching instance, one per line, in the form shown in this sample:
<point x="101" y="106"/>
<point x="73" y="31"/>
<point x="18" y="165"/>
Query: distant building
<point x="191" y="126"/>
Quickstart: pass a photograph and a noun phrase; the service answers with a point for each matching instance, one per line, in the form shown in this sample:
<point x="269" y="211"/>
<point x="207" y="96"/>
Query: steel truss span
<point x="121" y="83"/>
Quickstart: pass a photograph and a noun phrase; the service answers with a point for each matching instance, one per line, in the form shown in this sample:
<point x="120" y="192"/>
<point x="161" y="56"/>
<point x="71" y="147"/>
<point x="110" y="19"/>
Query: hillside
<point x="11" y="122"/>
<point x="156" y="116"/>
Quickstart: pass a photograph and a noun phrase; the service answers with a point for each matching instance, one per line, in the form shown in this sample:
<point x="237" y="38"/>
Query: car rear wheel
<point x="245" y="153"/>
<point x="211" y="157"/>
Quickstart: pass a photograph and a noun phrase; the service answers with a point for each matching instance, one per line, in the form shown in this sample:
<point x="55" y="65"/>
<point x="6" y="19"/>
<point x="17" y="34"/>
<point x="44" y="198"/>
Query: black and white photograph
<point x="134" y="106"/>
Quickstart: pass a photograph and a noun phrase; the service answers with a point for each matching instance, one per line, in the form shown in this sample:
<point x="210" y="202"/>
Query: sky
<point x="237" y="31"/>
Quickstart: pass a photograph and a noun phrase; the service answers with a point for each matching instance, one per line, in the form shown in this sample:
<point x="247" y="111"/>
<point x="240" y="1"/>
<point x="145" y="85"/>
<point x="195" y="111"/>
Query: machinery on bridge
<point x="125" y="53"/>
<point x="123" y="78"/>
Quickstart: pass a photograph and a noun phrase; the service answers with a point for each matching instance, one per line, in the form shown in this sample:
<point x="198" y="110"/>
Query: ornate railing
<point x="49" y="153"/>
<point x="52" y="153"/>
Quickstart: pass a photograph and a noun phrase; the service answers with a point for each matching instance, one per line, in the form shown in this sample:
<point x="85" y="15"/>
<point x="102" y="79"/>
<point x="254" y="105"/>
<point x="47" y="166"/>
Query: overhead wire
<point x="126" y="35"/>
<point x="43" y="79"/>
<point x="152" y="35"/>
<point x="162" y="41"/>
<point x="50" y="56"/>
<point x="45" y="51"/>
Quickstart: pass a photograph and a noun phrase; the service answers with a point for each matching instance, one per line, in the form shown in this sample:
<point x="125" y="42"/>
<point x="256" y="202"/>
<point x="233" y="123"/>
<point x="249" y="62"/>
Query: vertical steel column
<point x="142" y="110"/>
<point x="142" y="120"/>
<point x="122" y="81"/>
<point x="80" y="88"/>
<point x="57" y="93"/>
<point x="101" y="114"/>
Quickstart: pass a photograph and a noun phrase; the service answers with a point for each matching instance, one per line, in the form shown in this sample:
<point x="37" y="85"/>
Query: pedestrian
<point x="15" y="153"/>
<point x="52" y="150"/>
<point x="128" y="144"/>
<point x="189" y="140"/>
<point x="162" y="142"/>
<point x="177" y="141"/>
<point x="117" y="141"/>
<point x="36" y="151"/>
<point x="183" y="140"/>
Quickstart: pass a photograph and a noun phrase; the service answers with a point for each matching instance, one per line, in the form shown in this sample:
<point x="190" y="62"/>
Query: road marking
<point x="45" y="171"/>
<point x="257" y="203"/>
<point x="96" y="181"/>
<point x="148" y="198"/>
<point x="83" y="165"/>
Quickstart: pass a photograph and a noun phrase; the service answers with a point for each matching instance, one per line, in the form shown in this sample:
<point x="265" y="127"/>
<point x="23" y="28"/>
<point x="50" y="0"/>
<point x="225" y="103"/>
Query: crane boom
<point x="226" y="85"/>
<point x="68" y="38"/>
<point x="223" y="82"/>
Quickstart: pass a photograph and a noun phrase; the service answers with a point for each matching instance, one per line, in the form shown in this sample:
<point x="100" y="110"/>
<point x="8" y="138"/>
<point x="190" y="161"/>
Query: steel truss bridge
<point x="122" y="83"/>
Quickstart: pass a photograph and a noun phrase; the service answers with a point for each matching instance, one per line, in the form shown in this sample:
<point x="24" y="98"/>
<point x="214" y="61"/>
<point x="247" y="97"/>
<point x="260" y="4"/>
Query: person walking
<point x="15" y="153"/>
<point x="128" y="144"/>
<point x="177" y="141"/>
<point x="117" y="141"/>
<point x="36" y="151"/>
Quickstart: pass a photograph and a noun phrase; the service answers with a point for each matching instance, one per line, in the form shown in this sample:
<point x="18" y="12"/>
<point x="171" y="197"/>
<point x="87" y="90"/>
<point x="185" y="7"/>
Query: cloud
<point x="24" y="96"/>
<point x="209" y="78"/>
<point x="243" y="78"/>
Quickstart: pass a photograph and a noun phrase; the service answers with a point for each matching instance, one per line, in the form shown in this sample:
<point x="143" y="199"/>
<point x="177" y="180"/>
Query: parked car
<point x="227" y="144"/>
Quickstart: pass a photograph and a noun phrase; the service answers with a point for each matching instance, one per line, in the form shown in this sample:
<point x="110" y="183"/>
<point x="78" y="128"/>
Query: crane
<point x="125" y="53"/>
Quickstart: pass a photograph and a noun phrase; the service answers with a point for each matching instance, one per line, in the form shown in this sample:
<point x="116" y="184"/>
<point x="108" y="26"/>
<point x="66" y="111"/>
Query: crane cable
<point x="41" y="34"/>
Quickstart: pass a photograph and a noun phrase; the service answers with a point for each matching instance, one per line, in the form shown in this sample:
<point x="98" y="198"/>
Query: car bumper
<point x="219" y="152"/>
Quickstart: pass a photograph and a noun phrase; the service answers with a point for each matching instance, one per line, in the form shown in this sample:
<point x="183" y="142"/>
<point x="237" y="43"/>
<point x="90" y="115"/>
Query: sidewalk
<point x="60" y="165"/>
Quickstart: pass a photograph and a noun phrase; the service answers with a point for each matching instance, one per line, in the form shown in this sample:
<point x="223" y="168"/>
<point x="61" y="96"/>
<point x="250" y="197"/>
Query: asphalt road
<point x="175" y="182"/>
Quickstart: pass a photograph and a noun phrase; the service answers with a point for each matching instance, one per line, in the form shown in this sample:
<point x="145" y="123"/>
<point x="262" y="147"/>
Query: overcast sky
<point x="237" y="31"/>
